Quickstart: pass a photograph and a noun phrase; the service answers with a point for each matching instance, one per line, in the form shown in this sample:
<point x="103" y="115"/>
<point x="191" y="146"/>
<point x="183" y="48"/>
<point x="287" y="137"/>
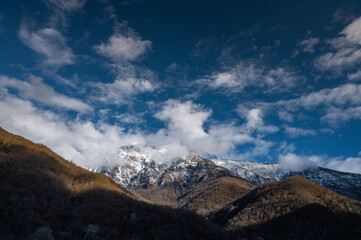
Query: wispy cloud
<point x="35" y="89"/>
<point x="308" y="45"/>
<point x="122" y="90"/>
<point x="354" y="76"/>
<point x="345" y="50"/>
<point x="295" y="132"/>
<point x="123" y="48"/>
<point x="335" y="105"/>
<point x="49" y="43"/>
<point x="62" y="9"/>
<point x="249" y="74"/>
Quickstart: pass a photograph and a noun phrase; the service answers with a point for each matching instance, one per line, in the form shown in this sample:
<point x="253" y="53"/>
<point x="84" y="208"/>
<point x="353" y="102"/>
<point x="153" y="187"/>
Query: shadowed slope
<point x="294" y="208"/>
<point x="41" y="193"/>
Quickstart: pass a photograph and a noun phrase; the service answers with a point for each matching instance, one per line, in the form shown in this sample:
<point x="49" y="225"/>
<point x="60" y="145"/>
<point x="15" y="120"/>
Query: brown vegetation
<point x="43" y="194"/>
<point x="292" y="209"/>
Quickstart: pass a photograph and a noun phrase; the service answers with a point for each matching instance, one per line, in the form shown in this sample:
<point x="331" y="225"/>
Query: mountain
<point x="135" y="166"/>
<point x="294" y="208"/>
<point x="193" y="182"/>
<point x="347" y="184"/>
<point x="138" y="167"/>
<point x="44" y="196"/>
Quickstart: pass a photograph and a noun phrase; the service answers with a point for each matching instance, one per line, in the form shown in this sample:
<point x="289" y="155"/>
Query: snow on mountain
<point x="348" y="184"/>
<point x="135" y="165"/>
<point x="138" y="166"/>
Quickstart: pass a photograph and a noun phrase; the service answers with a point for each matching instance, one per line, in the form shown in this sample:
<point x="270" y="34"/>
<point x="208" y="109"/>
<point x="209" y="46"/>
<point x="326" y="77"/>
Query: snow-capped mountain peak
<point x="142" y="166"/>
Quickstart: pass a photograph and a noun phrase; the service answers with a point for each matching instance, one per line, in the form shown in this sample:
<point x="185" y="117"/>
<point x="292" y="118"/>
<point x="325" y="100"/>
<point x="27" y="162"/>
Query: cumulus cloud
<point x="123" y="46"/>
<point x="185" y="125"/>
<point x="295" y="132"/>
<point x="251" y="74"/>
<point x="87" y="143"/>
<point x="35" y="89"/>
<point x="49" y="43"/>
<point x="295" y="163"/>
<point x="83" y="142"/>
<point x="184" y="119"/>
<point x="254" y="120"/>
<point x="346" y="49"/>
<point x="309" y="44"/>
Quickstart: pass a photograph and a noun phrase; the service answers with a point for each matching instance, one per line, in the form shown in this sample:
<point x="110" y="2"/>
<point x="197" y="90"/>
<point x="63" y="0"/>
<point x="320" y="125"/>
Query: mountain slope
<point x="347" y="184"/>
<point x="44" y="196"/>
<point x="195" y="183"/>
<point x="294" y="208"/>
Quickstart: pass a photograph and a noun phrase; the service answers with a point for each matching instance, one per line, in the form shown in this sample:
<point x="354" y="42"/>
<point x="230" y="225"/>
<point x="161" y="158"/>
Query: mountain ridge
<point x="135" y="177"/>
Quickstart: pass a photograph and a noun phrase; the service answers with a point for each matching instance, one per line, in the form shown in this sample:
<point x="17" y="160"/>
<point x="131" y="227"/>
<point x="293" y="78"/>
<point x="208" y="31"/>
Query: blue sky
<point x="258" y="81"/>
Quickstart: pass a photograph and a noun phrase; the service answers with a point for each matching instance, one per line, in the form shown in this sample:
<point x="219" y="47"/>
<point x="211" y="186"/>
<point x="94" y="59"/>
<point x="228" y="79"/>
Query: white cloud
<point x="331" y="106"/>
<point x="185" y="125"/>
<point x="49" y="43"/>
<point x="295" y="163"/>
<point x="336" y="105"/>
<point x="129" y="118"/>
<point x="339" y="96"/>
<point x="354" y="76"/>
<point x="309" y="44"/>
<point x="184" y="119"/>
<point x="35" y="89"/>
<point x="336" y="116"/>
<point x="87" y="143"/>
<point x="67" y="5"/>
<point x="346" y="49"/>
<point x="254" y="118"/>
<point x="351" y="164"/>
<point x="83" y="142"/>
<point x="299" y="163"/>
<point x="250" y="74"/>
<point x="121" y="91"/>
<point x="123" y="46"/>
<point x="254" y="121"/>
<point x="286" y="116"/>
<point x="294" y="132"/>
<point x="62" y="9"/>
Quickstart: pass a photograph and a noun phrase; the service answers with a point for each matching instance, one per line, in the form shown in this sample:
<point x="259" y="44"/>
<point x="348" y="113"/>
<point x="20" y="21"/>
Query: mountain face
<point x="282" y="210"/>
<point x="347" y="184"/>
<point x="193" y="182"/>
<point x="43" y="196"/>
<point x="138" y="167"/>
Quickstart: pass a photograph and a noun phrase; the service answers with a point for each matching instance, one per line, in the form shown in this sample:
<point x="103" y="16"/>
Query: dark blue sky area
<point x="229" y="79"/>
